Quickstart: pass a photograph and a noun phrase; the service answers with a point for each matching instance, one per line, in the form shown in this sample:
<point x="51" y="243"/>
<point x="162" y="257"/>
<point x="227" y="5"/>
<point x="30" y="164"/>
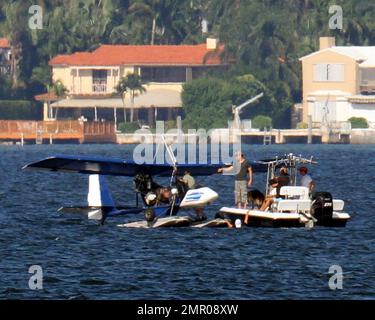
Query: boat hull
<point x="178" y="221"/>
<point x="257" y="218"/>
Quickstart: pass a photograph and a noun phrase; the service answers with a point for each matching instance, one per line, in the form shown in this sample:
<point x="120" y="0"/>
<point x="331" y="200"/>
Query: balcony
<point x="99" y="87"/>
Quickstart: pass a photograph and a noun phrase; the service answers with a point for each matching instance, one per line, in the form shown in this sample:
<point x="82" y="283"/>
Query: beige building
<point x="91" y="78"/>
<point x="338" y="83"/>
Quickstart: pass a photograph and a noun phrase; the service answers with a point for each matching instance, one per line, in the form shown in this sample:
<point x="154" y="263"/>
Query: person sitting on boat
<point x="306" y="180"/>
<point x="244" y="179"/>
<point x="280" y="181"/>
<point x="188" y="180"/>
<point x="185" y="183"/>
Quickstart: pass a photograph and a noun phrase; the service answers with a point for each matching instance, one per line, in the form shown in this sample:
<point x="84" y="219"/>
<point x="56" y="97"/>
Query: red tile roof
<point x="4" y="43"/>
<point x="114" y="55"/>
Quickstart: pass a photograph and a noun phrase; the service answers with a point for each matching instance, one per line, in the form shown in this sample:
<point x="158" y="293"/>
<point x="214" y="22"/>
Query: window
<point x="368" y="75"/>
<point x="164" y="74"/>
<point x="329" y="72"/>
<point x="367" y="86"/>
<point x="99" y="80"/>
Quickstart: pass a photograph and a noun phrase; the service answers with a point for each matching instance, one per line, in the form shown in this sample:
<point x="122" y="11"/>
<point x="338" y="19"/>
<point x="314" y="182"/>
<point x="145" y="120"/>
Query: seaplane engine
<point x="151" y="199"/>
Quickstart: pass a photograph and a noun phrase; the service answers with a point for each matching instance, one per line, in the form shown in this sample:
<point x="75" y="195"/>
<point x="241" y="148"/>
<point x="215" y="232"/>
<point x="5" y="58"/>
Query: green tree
<point x="208" y="101"/>
<point x="264" y="38"/>
<point x="358" y="123"/>
<point x="165" y="21"/>
<point x="261" y="122"/>
<point x="156" y="10"/>
<point x="206" y="104"/>
<point x="17" y="33"/>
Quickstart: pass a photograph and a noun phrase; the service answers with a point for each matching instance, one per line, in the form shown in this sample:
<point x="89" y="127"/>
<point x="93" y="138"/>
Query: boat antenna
<point x="172" y="157"/>
<point x="169" y="151"/>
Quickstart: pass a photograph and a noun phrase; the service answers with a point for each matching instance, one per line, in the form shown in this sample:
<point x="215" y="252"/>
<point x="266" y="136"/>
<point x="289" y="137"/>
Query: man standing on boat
<point x="306" y="180"/>
<point x="243" y="180"/>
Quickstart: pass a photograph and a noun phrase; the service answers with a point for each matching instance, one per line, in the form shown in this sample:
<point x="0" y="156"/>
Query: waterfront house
<point x="338" y="83"/>
<point x="5" y="56"/>
<point x="91" y="78"/>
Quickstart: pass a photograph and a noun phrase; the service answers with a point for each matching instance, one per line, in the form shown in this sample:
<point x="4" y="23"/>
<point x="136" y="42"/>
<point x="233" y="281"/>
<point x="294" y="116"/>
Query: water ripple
<point x="82" y="260"/>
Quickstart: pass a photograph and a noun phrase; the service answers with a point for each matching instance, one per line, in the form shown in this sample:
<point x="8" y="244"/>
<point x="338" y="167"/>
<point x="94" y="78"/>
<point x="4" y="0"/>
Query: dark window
<point x="200" y="72"/>
<point x="99" y="80"/>
<point x="163" y="74"/>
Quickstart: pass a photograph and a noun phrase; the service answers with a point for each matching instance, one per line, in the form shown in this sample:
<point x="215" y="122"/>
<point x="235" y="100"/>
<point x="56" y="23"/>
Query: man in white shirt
<point x="306" y="180"/>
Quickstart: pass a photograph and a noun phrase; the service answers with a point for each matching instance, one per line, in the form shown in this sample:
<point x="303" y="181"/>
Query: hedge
<point x="20" y="110"/>
<point x="358" y="123"/>
<point x="128" y="127"/>
<point x="261" y="122"/>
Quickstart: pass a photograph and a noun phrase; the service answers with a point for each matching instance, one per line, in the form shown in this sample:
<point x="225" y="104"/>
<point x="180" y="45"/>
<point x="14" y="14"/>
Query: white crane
<point x="236" y="110"/>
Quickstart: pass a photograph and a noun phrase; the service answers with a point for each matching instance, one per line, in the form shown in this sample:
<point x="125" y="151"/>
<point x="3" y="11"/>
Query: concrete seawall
<point x="300" y="136"/>
<point x="362" y="136"/>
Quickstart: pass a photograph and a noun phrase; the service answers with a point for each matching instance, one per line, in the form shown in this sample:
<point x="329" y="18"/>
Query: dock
<point x="74" y="131"/>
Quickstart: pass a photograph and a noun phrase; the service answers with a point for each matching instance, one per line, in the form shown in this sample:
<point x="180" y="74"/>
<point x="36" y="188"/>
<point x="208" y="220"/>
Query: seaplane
<point x="292" y="206"/>
<point x="160" y="204"/>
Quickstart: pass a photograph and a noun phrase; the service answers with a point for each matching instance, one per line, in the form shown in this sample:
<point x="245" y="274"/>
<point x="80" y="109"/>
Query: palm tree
<point x="59" y="91"/>
<point x="169" y="18"/>
<point x="148" y="8"/>
<point x="122" y="89"/>
<point x="134" y="84"/>
<point x="15" y="28"/>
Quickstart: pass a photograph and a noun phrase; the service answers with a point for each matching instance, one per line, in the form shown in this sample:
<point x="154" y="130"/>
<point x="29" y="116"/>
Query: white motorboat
<point x="294" y="207"/>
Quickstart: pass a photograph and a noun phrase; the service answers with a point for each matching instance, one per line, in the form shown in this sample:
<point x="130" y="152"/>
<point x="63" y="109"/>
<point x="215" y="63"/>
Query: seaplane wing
<point x="116" y="167"/>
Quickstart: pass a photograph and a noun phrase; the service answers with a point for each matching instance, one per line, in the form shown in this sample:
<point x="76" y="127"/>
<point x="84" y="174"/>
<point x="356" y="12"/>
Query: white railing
<point x="99" y="87"/>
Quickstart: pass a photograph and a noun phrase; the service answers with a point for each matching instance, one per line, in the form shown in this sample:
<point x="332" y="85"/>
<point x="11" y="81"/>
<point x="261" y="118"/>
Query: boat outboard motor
<point x="322" y="207"/>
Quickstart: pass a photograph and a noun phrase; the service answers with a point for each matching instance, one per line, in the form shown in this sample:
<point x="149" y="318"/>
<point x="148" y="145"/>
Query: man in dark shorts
<point x="243" y="180"/>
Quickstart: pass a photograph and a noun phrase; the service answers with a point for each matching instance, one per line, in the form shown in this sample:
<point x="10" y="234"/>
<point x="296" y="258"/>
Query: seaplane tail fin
<point x="99" y="195"/>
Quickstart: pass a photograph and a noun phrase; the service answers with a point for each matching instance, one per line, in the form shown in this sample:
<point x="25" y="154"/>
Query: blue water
<point x="81" y="260"/>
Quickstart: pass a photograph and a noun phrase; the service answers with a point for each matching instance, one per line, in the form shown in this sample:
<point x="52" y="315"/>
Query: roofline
<point x="326" y="50"/>
<point x="141" y="65"/>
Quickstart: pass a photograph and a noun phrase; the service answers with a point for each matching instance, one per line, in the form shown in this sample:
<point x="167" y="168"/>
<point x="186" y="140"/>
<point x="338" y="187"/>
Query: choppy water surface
<point x="83" y="260"/>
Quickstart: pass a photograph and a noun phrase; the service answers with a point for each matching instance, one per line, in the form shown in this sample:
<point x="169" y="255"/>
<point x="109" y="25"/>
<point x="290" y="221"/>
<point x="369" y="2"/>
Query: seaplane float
<point x="160" y="205"/>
